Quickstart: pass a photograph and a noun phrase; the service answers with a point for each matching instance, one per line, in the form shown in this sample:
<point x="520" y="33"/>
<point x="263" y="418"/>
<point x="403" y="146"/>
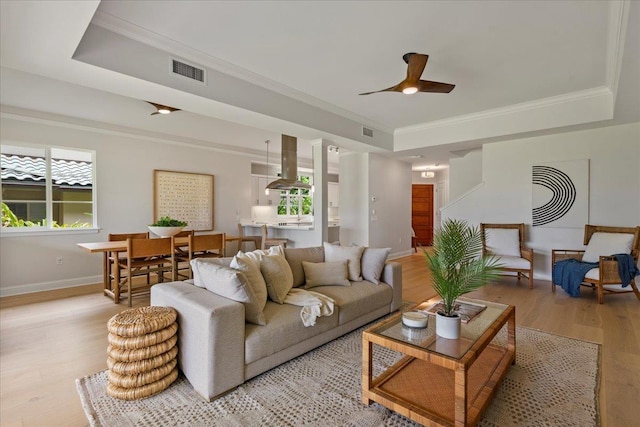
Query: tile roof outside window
<point x="63" y="172"/>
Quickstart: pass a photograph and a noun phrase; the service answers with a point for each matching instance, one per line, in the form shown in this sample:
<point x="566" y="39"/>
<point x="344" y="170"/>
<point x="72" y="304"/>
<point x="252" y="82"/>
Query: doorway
<point x="422" y="213"/>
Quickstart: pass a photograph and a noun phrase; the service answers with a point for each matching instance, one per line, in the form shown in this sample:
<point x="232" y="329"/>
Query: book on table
<point x="467" y="310"/>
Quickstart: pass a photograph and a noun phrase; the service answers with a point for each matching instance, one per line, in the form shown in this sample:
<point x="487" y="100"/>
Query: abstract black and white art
<point x="561" y="194"/>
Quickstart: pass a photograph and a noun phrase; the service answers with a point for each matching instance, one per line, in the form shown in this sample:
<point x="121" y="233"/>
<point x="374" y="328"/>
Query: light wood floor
<point x="50" y="339"/>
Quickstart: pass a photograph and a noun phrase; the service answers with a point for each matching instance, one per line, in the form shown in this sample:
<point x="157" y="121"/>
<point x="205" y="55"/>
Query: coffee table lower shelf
<point x="425" y="392"/>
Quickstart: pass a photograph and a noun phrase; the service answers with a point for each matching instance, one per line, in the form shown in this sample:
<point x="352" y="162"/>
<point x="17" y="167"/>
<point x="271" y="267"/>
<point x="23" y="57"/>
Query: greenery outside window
<point x="296" y="201"/>
<point x="47" y="188"/>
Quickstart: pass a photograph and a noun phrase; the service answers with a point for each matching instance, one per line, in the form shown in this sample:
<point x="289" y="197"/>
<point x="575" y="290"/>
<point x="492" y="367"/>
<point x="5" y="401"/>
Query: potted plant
<point x="457" y="267"/>
<point x="167" y="227"/>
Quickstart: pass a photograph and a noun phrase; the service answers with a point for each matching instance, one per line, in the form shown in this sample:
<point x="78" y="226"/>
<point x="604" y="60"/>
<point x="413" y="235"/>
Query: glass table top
<point x="426" y="338"/>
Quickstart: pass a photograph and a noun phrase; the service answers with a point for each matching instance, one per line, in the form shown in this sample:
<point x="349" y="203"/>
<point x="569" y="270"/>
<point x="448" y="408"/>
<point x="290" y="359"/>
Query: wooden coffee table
<point x="440" y="382"/>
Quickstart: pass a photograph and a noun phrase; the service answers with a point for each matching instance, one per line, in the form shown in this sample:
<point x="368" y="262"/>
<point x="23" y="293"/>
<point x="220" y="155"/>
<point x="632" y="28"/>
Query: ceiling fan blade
<point x="417" y="62"/>
<point x="395" y="88"/>
<point x="429" y="86"/>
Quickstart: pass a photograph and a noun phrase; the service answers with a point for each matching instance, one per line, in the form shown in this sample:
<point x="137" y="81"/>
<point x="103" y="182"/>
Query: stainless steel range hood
<point x="289" y="155"/>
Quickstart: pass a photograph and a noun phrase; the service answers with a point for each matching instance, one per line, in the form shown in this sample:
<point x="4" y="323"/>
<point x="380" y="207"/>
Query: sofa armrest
<point x="210" y="336"/>
<point x="392" y="276"/>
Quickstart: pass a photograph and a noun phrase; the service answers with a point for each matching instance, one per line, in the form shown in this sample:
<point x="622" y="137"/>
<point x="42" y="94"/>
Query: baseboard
<point x="30" y="288"/>
<point x="401" y="254"/>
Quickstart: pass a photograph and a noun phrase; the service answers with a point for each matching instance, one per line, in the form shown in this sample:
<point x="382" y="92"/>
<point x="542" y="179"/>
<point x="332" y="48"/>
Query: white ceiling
<point x="520" y="68"/>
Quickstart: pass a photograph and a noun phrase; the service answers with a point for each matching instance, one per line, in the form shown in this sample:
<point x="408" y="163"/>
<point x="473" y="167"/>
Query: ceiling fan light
<point x="164" y="111"/>
<point x="410" y="90"/>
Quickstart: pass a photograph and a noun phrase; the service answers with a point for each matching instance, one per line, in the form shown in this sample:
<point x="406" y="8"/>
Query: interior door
<point x="422" y="213"/>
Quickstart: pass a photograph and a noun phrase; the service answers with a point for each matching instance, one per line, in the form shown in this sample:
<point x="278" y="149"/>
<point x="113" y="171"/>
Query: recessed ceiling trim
<point x="142" y="35"/>
<point x="618" y="20"/>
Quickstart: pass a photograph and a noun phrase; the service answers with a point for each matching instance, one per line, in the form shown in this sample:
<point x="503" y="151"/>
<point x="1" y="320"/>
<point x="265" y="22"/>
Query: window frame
<point x="286" y="194"/>
<point x="49" y="202"/>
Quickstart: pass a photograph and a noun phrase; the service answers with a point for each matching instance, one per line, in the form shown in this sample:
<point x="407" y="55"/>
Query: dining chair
<point x="267" y="242"/>
<point x="506" y="241"/>
<point x="200" y="246"/>
<point x="156" y="255"/>
<point x="116" y="257"/>
<point x="256" y="240"/>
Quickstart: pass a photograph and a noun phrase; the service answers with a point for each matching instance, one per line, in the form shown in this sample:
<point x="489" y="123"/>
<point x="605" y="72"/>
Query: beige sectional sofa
<point x="219" y="349"/>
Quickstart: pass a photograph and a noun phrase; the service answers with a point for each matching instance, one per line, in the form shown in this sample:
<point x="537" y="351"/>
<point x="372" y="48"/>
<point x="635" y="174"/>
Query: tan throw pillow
<point x="254" y="276"/>
<point x="277" y="274"/>
<point x="229" y="283"/>
<point x="325" y="273"/>
<point x="295" y="256"/>
<point x="373" y="260"/>
<point x="353" y="254"/>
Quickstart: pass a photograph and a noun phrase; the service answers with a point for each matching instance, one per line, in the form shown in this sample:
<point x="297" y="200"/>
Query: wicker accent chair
<point x="605" y="279"/>
<point x="506" y="241"/>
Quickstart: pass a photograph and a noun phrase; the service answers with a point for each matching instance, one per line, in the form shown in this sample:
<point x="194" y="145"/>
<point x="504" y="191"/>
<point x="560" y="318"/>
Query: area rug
<point x="554" y="382"/>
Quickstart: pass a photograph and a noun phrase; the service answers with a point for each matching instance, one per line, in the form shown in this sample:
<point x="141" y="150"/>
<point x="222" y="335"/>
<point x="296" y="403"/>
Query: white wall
<point x="125" y="200"/>
<point x="506" y="196"/>
<point x="367" y="175"/>
<point x="465" y="173"/>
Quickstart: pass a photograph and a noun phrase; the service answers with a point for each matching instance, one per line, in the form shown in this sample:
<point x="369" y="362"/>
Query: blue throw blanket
<point x="569" y="273"/>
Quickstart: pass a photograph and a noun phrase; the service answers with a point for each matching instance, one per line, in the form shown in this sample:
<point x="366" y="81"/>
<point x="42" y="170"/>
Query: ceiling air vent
<point x="188" y="71"/>
<point x="367" y="132"/>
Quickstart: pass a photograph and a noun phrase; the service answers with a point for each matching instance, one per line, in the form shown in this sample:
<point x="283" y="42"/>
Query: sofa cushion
<point x="325" y="273"/>
<point x="502" y="241"/>
<point x="229" y="283"/>
<point x="353" y="254"/>
<point x="254" y="276"/>
<point x="284" y="329"/>
<point x="295" y="256"/>
<point x="605" y="244"/>
<point x="256" y="256"/>
<point x="358" y="299"/>
<point x="373" y="260"/>
<point x="277" y="275"/>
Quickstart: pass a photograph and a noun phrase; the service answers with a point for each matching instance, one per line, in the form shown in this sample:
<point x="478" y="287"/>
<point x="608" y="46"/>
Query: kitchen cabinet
<point x="333" y="194"/>
<point x="258" y="183"/>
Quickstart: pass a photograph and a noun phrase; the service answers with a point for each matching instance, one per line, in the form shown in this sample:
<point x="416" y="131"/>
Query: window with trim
<point x="296" y="201"/>
<point x="47" y="188"/>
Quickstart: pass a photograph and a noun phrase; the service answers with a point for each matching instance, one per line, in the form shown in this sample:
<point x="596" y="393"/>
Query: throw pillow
<point x="257" y="255"/>
<point x="353" y="254"/>
<point x="277" y="274"/>
<point x="229" y="283"/>
<point x="254" y="276"/>
<point x="605" y="244"/>
<point x="373" y="261"/>
<point x="295" y="256"/>
<point x="502" y="241"/>
<point x="325" y="273"/>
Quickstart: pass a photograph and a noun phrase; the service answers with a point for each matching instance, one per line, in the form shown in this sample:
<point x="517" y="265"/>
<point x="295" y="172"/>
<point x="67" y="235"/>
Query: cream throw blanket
<point x="313" y="305"/>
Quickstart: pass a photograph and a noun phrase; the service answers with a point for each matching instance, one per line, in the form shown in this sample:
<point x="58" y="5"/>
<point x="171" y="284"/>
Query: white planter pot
<point x="165" y="231"/>
<point x="448" y="327"/>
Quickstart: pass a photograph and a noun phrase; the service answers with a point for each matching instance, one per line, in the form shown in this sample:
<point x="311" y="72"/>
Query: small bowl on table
<point x="415" y="319"/>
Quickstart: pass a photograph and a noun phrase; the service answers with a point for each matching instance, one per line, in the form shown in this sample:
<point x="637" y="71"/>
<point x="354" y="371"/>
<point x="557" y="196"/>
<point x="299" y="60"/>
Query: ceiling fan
<point x="162" y="109"/>
<point x="413" y="84"/>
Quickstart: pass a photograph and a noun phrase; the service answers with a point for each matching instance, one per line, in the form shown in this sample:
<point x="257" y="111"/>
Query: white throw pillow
<point x="229" y="283"/>
<point x="502" y="241"/>
<point x="325" y="273"/>
<point x="373" y="260"/>
<point x="254" y="276"/>
<point x="256" y="256"/>
<point x="605" y="244"/>
<point x="278" y="276"/>
<point x="352" y="254"/>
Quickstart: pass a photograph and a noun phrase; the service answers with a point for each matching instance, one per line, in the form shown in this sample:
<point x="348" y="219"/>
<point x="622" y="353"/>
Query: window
<point x="296" y="201"/>
<point x="47" y="188"/>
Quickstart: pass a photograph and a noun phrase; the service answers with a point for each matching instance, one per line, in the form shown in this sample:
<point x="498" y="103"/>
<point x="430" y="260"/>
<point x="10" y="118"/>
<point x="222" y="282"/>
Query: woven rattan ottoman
<point x="142" y="352"/>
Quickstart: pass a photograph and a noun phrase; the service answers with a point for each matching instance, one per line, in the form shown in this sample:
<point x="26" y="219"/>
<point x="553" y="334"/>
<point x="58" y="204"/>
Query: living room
<point x="488" y="181"/>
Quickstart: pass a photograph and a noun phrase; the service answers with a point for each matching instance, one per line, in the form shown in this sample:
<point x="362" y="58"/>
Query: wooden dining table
<point x="115" y="247"/>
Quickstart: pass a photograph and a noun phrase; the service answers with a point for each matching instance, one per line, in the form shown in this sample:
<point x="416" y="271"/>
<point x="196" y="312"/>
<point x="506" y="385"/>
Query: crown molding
<point x="618" y="20"/>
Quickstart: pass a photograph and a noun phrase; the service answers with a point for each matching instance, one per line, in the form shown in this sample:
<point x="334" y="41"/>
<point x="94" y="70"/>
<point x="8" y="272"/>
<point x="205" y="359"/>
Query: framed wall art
<point x="561" y="194"/>
<point x="184" y="196"/>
